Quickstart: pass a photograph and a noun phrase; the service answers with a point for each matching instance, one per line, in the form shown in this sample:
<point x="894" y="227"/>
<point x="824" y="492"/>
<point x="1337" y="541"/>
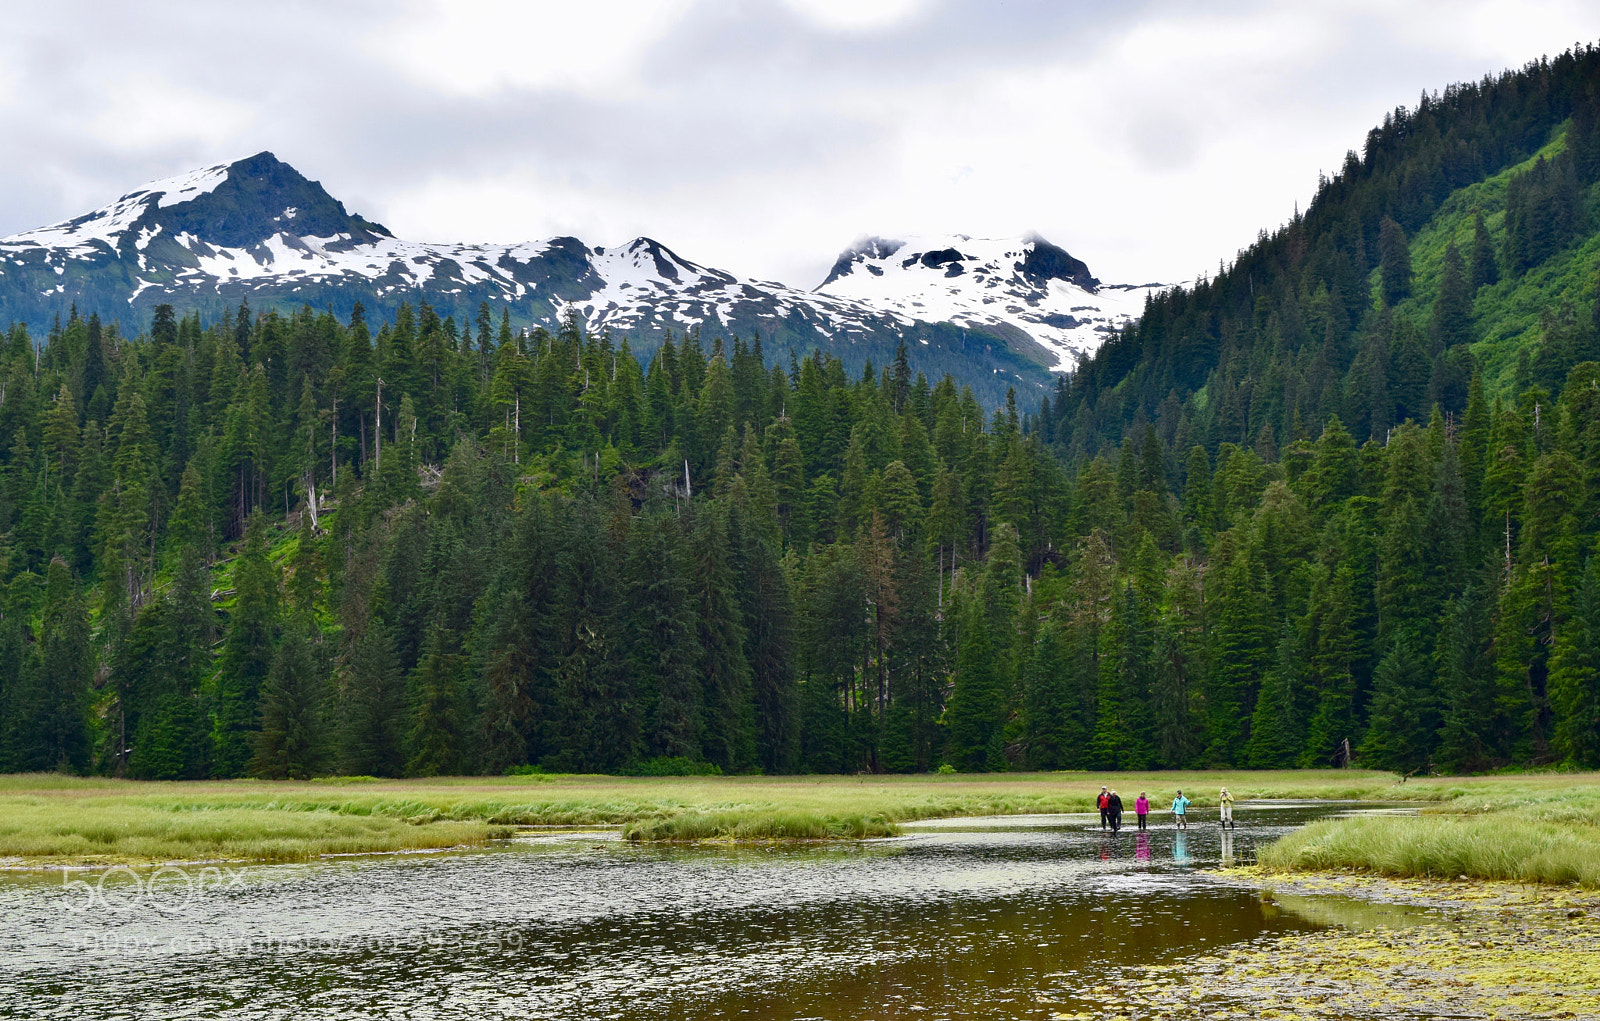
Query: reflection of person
<point x="1141" y="850"/>
<point x="1225" y="802"/>
<point x="1115" y="811"/>
<point x="1180" y="808"/>
<point x="1180" y="849"/>
<point x="1227" y="847"/>
<point x="1141" y="808"/>
<point x="1103" y="802"/>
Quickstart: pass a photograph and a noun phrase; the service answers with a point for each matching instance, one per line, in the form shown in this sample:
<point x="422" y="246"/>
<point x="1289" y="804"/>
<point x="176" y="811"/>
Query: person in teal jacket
<point x="1180" y="805"/>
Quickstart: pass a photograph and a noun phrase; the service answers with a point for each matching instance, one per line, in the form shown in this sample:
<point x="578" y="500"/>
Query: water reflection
<point x="997" y="919"/>
<point x="1227" y="847"/>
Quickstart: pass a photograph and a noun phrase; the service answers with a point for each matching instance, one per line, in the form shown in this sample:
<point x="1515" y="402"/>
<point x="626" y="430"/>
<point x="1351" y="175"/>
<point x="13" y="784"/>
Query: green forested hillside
<point x="1338" y="501"/>
<point x="1373" y="435"/>
<point x="1339" y="311"/>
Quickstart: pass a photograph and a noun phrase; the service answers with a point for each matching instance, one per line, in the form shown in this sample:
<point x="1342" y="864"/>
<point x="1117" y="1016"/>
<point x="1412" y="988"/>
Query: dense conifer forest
<point x="1339" y="502"/>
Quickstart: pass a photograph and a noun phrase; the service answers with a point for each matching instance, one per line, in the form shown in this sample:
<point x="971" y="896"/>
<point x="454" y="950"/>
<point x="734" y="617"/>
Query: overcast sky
<point x="759" y="136"/>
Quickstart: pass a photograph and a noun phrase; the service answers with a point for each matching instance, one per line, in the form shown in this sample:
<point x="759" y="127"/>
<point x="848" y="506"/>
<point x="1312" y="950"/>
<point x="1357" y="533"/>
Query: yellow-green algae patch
<point x="1497" y="950"/>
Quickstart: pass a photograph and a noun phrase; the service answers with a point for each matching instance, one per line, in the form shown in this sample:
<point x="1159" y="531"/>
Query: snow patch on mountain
<point x="109" y="223"/>
<point x="645" y="285"/>
<point x="190" y="186"/>
<point x="990" y="284"/>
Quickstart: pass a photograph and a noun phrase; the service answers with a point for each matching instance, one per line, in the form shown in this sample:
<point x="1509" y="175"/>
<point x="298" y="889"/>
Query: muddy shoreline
<point x="1394" y="948"/>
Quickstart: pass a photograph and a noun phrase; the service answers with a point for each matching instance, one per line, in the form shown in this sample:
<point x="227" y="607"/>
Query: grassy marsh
<point x="49" y="820"/>
<point x="1541" y="828"/>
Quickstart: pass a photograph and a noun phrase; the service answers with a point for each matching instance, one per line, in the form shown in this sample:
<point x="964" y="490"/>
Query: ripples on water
<point x="970" y="918"/>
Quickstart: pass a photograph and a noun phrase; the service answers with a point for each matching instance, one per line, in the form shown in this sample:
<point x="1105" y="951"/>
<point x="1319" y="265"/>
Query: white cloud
<point x="475" y="47"/>
<point x="144" y="109"/>
<point x="855" y="15"/>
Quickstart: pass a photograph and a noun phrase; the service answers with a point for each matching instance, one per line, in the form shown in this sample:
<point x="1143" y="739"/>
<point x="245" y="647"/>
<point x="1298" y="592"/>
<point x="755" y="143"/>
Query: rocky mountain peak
<point x="257" y="198"/>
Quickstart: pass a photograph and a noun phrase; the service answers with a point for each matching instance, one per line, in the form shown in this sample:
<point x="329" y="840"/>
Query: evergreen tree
<point x="974" y="716"/>
<point x="1466" y="695"/>
<point x="436" y="737"/>
<point x="247" y="655"/>
<point x="370" y="702"/>
<point x="1575" y="675"/>
<point x="599" y="719"/>
<point x="291" y="741"/>
<point x="726" y="727"/>
<point x="767" y="611"/>
<point x="51" y="700"/>
<point x="1452" y="309"/>
<point x="1404" y="710"/>
<point x="1179" y="664"/>
<point x="789" y="483"/>
<point x="1054" y="733"/>
<point x="1277" y="727"/>
<point x="1394" y="262"/>
<point x="1242" y="655"/>
<point x="1124" y="686"/>
<point x="663" y="654"/>
<point x="168" y="658"/>
<point x="836" y="637"/>
<point x="1485" y="269"/>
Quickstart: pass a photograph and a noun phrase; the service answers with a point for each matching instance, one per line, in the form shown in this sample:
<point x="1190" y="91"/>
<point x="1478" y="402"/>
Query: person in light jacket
<point x="1225" y="803"/>
<point x="1180" y="806"/>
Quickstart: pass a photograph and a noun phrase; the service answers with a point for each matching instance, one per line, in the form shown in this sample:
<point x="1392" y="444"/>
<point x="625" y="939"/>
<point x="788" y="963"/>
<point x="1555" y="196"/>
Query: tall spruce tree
<point x="291" y="743"/>
<point x="663" y="651"/>
<point x="1485" y="267"/>
<point x="247" y="655"/>
<point x="50" y="701"/>
<point x="1575" y="675"/>
<point x="1404" y="709"/>
<point x="975" y="713"/>
<point x="1242" y="650"/>
<point x="1394" y="262"/>
<point x="1452" y="309"/>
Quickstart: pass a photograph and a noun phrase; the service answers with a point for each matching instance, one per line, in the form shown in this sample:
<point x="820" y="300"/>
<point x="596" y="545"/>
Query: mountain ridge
<point x="258" y="230"/>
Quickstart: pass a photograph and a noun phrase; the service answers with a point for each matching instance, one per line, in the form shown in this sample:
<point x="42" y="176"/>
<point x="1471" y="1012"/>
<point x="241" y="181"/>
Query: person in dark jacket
<point x="1115" y="810"/>
<point x="1103" y="802"/>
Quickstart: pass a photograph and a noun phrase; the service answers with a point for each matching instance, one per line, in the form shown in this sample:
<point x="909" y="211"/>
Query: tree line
<point x="1286" y="519"/>
<point x="530" y="556"/>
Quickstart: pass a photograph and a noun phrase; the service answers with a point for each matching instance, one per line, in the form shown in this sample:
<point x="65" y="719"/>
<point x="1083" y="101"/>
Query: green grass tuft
<point x="1534" y="829"/>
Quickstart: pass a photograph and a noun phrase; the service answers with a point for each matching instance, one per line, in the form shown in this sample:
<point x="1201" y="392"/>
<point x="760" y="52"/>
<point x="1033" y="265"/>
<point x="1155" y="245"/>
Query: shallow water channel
<point x="969" y="918"/>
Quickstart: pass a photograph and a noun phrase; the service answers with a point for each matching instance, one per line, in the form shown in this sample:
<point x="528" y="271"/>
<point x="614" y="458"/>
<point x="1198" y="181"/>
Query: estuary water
<point x="973" y="918"/>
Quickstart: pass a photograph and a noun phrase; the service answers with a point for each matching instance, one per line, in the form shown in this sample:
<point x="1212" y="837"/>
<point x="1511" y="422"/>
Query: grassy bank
<point x="1536" y="829"/>
<point x="47" y="819"/>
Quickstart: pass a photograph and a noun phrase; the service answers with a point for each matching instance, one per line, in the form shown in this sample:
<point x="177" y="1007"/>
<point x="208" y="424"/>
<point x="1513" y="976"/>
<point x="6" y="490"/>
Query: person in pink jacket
<point x="1141" y="808"/>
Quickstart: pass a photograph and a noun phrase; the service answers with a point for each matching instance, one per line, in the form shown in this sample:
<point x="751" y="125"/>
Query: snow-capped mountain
<point x="993" y="312"/>
<point x="1007" y="286"/>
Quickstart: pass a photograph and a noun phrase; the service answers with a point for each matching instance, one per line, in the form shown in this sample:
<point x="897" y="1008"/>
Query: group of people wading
<point x="1110" y="805"/>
